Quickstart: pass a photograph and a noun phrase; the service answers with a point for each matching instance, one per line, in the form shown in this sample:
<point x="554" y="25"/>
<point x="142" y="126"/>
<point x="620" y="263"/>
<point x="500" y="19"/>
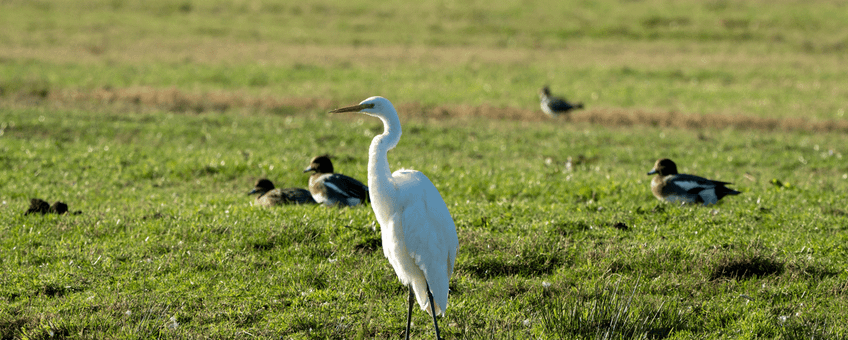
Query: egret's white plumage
<point x="419" y="236"/>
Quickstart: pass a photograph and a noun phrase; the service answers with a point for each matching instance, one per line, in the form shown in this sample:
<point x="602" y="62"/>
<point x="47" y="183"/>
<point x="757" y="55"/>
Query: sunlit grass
<point x="168" y="234"/>
<point x="155" y="118"/>
<point x="775" y="60"/>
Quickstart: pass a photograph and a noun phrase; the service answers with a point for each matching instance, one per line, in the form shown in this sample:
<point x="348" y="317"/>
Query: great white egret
<point x="330" y="188"/>
<point x="670" y="186"/>
<point x="554" y="106"/>
<point x="270" y="196"/>
<point x="419" y="236"/>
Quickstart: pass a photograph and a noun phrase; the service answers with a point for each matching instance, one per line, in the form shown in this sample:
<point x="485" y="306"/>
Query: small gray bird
<point x="555" y="106"/>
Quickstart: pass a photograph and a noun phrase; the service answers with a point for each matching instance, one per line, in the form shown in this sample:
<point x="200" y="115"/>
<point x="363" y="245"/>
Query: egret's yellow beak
<point x="354" y="108"/>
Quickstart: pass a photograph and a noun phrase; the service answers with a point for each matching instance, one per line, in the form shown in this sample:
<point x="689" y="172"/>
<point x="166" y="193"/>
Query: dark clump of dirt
<point x="40" y="206"/>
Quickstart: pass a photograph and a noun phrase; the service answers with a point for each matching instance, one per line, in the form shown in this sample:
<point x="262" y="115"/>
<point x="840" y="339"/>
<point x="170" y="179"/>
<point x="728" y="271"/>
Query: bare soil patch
<point x="176" y="100"/>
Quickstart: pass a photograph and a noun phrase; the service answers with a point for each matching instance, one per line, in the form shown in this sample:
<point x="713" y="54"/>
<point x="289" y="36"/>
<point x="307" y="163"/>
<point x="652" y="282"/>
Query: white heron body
<point x="418" y="232"/>
<point x="419" y="236"/>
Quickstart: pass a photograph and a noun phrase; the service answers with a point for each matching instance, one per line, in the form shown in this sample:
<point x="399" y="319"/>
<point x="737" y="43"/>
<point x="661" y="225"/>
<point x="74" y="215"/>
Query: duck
<point x="670" y="186"/>
<point x="554" y="106"/>
<point x="269" y="196"/>
<point x="332" y="189"/>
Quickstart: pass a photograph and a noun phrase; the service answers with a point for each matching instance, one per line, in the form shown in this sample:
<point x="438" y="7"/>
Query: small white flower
<point x="173" y="324"/>
<point x="128" y="312"/>
<point x="526" y="323"/>
<point x="546" y="284"/>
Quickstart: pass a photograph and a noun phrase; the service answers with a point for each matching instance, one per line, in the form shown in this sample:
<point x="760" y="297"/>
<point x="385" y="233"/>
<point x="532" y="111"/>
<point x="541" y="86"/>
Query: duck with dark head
<point x="330" y="188"/>
<point x="670" y="186"/>
<point x="269" y="196"/>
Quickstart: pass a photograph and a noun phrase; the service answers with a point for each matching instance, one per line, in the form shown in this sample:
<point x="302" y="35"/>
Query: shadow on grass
<point x="746" y="266"/>
<point x="369" y="245"/>
<point x="528" y="264"/>
<point x="9" y="328"/>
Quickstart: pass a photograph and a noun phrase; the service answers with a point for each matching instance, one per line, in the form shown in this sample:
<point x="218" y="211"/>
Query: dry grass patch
<point x="176" y="100"/>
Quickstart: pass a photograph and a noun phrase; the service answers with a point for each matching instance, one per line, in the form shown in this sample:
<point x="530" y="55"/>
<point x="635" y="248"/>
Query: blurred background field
<point x="750" y="58"/>
<point x="154" y="118"/>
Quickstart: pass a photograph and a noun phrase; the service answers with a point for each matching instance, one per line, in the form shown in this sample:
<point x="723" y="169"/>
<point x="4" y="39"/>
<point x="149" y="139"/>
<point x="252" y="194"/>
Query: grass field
<point x="154" y="119"/>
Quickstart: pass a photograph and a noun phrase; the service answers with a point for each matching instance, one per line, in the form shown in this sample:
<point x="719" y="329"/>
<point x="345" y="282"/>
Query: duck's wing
<point x="297" y="196"/>
<point x="345" y="189"/>
<point x="700" y="189"/>
<point x="690" y="183"/>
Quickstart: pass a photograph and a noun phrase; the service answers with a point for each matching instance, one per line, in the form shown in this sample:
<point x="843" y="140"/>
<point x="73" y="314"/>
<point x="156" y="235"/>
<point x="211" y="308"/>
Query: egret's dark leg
<point x="409" y="312"/>
<point x="433" y="309"/>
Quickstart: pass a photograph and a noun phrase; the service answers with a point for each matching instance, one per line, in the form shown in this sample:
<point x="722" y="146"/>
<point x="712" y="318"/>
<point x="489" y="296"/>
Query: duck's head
<point x="375" y="106"/>
<point x="262" y="186"/>
<point x="664" y="167"/>
<point x="544" y="92"/>
<point x="321" y="164"/>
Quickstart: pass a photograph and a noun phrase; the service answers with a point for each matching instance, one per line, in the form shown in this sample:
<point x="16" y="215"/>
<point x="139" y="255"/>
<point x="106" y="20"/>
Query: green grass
<point x="166" y="230"/>
<point x="167" y="244"/>
<point x="781" y="59"/>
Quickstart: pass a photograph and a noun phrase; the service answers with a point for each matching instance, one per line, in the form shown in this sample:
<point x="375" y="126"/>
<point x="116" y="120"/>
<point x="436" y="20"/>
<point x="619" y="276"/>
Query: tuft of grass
<point x="611" y="311"/>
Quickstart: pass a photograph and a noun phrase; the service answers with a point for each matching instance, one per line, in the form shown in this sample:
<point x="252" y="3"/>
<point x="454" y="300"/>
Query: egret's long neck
<point x="379" y="174"/>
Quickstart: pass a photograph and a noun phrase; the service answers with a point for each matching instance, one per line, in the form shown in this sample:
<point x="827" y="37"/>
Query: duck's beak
<point x="253" y="191"/>
<point x="354" y="108"/>
<point x="652" y="172"/>
<point x="308" y="169"/>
